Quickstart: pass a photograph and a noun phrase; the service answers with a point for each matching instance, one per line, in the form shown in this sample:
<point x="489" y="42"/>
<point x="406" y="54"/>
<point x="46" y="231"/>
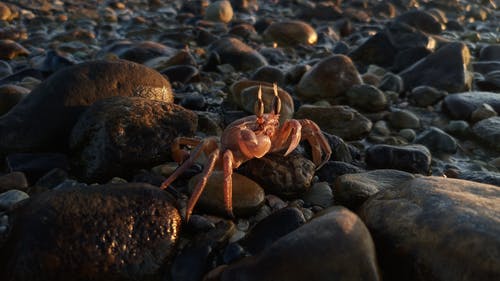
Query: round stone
<point x="291" y="33"/>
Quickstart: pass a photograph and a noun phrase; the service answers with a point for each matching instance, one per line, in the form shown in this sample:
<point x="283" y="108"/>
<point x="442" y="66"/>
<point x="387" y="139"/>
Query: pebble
<point x="13" y="180"/>
<point x="410" y="158"/>
<point x="425" y="96"/>
<point x="404" y="119"/>
<point x="10" y="95"/>
<point x="10" y="50"/>
<point x="367" y="98"/>
<point x="421" y="20"/>
<point x="219" y="11"/>
<point x="488" y="130"/>
<point x="437" y="141"/>
<point x="484" y="111"/>
<point x="236" y="53"/>
<point x="461" y="105"/>
<point x="291" y="33"/>
<point x="9" y="199"/>
<point x="320" y="194"/>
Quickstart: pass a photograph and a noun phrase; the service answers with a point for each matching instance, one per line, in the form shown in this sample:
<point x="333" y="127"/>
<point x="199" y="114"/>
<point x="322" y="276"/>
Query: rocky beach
<point x="406" y="93"/>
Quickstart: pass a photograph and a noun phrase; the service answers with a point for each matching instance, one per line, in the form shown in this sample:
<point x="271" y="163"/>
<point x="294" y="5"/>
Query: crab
<point x="244" y="139"/>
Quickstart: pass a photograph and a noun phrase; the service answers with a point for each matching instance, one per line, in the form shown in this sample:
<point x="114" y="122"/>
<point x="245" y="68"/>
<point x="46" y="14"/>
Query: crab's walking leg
<point x="207" y="145"/>
<point x="319" y="144"/>
<point x="228" y="181"/>
<point x="200" y="186"/>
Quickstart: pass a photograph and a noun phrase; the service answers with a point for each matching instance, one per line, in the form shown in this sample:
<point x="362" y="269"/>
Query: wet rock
<point x="367" y="98"/>
<point x="427" y="222"/>
<point x="117" y="135"/>
<point x="313" y="250"/>
<point x="341" y="121"/>
<point x="409" y="158"/>
<point x="461" y="106"/>
<point x="125" y="231"/>
<point x="403" y="119"/>
<point x="421" y="20"/>
<point x="458" y="127"/>
<point x="10" y="49"/>
<point x="13" y="180"/>
<point x="486" y="177"/>
<point x="288" y="176"/>
<point x="391" y="82"/>
<point x="234" y="52"/>
<point x="269" y="74"/>
<point x="270" y="229"/>
<point x="10" y="198"/>
<point x="482" y="112"/>
<point x="489" y="82"/>
<point x="11" y="95"/>
<point x="320" y="195"/>
<point x="450" y="63"/>
<point x="248" y="196"/>
<point x="425" y="96"/>
<point x="490" y="53"/>
<point x="437" y="141"/>
<point x="333" y="169"/>
<point x="328" y="79"/>
<point x="488" y="130"/>
<point x="219" y="11"/>
<point x="408" y="134"/>
<point x="352" y="190"/>
<point x="291" y="33"/>
<point x="35" y="165"/>
<point x="44" y="119"/>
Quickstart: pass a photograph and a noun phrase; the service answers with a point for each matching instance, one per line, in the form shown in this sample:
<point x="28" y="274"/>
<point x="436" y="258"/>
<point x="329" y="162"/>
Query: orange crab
<point x="246" y="138"/>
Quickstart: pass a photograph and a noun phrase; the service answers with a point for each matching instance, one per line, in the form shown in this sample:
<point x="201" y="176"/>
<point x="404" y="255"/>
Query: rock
<point x="461" y="106"/>
<point x="270" y="229"/>
<point x="421" y="20"/>
<point x="35" y="165"/>
<point x="288" y="176"/>
<point x="490" y="53"/>
<point x="10" y="198"/>
<point x="409" y="158"/>
<point x="437" y="141"/>
<point x="426" y="222"/>
<point x="291" y="33"/>
<point x="408" y="134"/>
<point x="181" y="73"/>
<point x="488" y="130"/>
<point x="404" y="119"/>
<point x="10" y="49"/>
<point x="52" y="179"/>
<point x="425" y="96"/>
<point x="13" y="180"/>
<point x="367" y="98"/>
<point x="320" y="195"/>
<point x="484" y="111"/>
<point x="118" y="135"/>
<point x="11" y="95"/>
<point x="334" y="245"/>
<point x="138" y="52"/>
<point x="341" y="151"/>
<point x="44" y="119"/>
<point x="124" y="231"/>
<point x="5" y="69"/>
<point x="489" y="82"/>
<point x="219" y="11"/>
<point x="391" y="82"/>
<point x="269" y="74"/>
<point x="450" y="63"/>
<point x="234" y="52"/>
<point x="339" y="120"/>
<point x="352" y="190"/>
<point x="328" y="79"/>
<point x="248" y="196"/>
<point x="333" y="169"/>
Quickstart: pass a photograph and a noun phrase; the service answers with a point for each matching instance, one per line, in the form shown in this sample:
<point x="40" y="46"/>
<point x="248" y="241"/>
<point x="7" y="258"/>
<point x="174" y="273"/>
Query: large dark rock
<point x="109" y="232"/>
<point x="461" y="106"/>
<point x="421" y="20"/>
<point x="333" y="246"/>
<point x="236" y="53"/>
<point x="43" y="120"/>
<point x="446" y="69"/>
<point x="434" y="228"/>
<point x="117" y="135"/>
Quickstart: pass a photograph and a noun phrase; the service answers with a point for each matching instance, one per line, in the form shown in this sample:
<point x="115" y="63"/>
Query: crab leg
<point x="228" y="160"/>
<point x="319" y="145"/>
<point x="200" y="186"/>
<point x="290" y="129"/>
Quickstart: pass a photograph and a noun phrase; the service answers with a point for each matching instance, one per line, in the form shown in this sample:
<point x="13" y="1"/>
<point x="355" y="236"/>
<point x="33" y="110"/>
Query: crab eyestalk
<point x="276" y="105"/>
<point x="259" y="107"/>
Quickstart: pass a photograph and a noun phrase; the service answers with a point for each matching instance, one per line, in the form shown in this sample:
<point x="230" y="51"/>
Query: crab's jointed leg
<point x="290" y="131"/>
<point x="319" y="144"/>
<point x="228" y="160"/>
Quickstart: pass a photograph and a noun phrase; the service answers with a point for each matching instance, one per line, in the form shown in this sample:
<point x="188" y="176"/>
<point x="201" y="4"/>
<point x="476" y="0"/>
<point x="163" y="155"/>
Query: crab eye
<point x="259" y="104"/>
<point x="276" y="105"/>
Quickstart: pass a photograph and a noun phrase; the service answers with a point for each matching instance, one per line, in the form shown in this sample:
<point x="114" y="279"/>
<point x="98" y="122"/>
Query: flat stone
<point x="428" y="222"/>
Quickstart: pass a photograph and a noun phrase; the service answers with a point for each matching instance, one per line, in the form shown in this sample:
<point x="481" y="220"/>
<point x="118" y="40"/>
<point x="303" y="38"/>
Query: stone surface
<point x="328" y="79"/>
<point x="352" y="190"/>
<point x="342" y="121"/>
<point x="429" y="222"/>
<point x="236" y="53"/>
<point x="13" y="180"/>
<point x="10" y="49"/>
<point x="461" y="105"/>
<point x="450" y="63"/>
<point x="488" y="130"/>
<point x="291" y="33"/>
<point x="10" y="95"/>
<point x="10" y="198"/>
<point x="111" y="232"/>
<point x="219" y="11"/>
<point x="44" y="119"/>
<point x="320" y="195"/>
<point x="437" y="141"/>
<point x="118" y="135"/>
<point x="404" y="119"/>
<point x="421" y="20"/>
<point x="409" y="158"/>
<point x="333" y="246"/>
<point x="425" y="96"/>
<point x="248" y="196"/>
<point x="367" y="98"/>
